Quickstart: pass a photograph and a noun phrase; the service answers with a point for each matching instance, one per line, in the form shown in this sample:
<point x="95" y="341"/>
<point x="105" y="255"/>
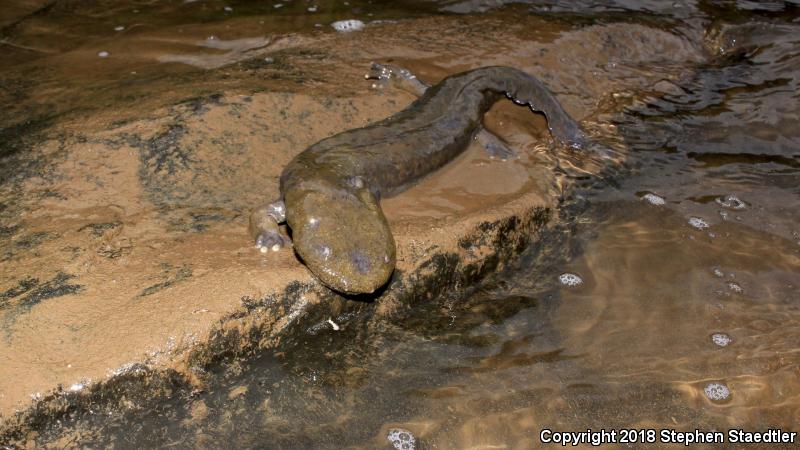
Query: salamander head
<point x="342" y="236"/>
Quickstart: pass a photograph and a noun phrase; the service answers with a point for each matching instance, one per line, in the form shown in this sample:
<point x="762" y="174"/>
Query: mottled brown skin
<point x="331" y="190"/>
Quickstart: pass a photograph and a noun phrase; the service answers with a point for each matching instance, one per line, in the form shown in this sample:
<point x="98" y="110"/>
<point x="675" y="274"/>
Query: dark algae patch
<point x="201" y="220"/>
<point x="164" y="154"/>
<point x="171" y="275"/>
<point x="23" y="286"/>
<point x="55" y="287"/>
<point x="28" y="293"/>
<point x="15" y="138"/>
<point x="97" y="230"/>
<point x="16" y="143"/>
<point x="16" y="248"/>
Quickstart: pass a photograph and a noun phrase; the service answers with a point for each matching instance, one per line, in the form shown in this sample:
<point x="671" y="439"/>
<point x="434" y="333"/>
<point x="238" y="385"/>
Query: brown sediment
<point x="127" y="267"/>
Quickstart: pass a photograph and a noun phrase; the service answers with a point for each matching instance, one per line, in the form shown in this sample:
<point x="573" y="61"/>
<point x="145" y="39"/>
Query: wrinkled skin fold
<point x="330" y="192"/>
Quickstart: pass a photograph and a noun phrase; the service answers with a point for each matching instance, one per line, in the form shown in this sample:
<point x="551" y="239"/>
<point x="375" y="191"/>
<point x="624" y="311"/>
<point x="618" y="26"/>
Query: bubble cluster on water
<point x="731" y="201"/>
<point x="570" y="279"/>
<point x="718" y="272"/>
<point x="717" y="392"/>
<point x="721" y="339"/>
<point x="654" y="199"/>
<point x="698" y="223"/>
<point x="735" y="287"/>
<point x="401" y="439"/>
<point x="348" y="25"/>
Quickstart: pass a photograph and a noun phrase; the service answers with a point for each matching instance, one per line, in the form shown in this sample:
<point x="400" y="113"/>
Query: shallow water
<point x="693" y="243"/>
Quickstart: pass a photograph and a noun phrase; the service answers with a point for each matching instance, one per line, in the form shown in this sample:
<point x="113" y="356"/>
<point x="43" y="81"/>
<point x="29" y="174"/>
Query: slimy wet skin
<point x="330" y="192"/>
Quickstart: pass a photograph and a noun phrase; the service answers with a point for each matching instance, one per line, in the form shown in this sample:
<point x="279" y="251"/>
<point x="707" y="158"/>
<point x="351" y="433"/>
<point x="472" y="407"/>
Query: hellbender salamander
<point x="330" y="192"/>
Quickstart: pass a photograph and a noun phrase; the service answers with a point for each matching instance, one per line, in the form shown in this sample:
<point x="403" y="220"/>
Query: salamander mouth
<point x="359" y="275"/>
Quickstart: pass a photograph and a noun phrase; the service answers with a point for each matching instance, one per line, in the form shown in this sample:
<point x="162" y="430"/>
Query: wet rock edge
<point x="263" y="323"/>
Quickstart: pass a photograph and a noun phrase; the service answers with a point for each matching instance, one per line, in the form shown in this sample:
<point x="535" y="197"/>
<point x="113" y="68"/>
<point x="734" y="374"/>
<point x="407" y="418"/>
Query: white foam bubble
<point x="334" y="325"/>
<point x="119" y="28"/>
<point x="731" y="201"/>
<point x="103" y="54"/>
<point x="312" y="8"/>
<point x="654" y="199"/>
<point x="348" y="25"/>
<point x="721" y="339"/>
<point x="717" y="392"/>
<point x="570" y="279"/>
<point x="698" y="223"/>
<point x="401" y="439"/>
<point x="228" y="9"/>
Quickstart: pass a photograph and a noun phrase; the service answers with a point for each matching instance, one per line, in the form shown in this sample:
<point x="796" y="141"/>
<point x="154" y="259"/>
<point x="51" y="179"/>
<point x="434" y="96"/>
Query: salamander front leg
<point x="264" y="226"/>
<point x="396" y="76"/>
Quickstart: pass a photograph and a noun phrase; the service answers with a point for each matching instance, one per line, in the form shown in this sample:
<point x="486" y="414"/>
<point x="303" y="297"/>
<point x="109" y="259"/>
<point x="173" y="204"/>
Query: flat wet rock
<point x="125" y="254"/>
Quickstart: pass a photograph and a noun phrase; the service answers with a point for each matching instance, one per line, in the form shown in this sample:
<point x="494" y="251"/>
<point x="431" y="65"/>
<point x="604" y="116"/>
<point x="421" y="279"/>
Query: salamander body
<point x="330" y="192"/>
